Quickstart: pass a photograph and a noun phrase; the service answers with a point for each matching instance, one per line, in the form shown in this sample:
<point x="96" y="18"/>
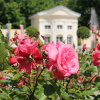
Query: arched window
<point x="59" y="38"/>
<point x="47" y="39"/>
<point x="69" y="39"/>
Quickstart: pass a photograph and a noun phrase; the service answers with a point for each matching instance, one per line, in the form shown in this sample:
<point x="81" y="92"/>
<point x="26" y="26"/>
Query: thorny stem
<point x="37" y="77"/>
<point x="63" y="82"/>
<point x="29" y="84"/>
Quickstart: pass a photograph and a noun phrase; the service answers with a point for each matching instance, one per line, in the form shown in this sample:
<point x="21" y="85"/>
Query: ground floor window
<point x="47" y="39"/>
<point x="59" y="38"/>
<point x="69" y="39"/>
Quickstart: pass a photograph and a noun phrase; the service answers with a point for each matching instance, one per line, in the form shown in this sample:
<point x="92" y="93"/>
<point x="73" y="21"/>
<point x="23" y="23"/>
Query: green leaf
<point x="48" y="89"/>
<point x="41" y="95"/>
<point x="83" y="66"/>
<point x="16" y="77"/>
<point x="93" y="69"/>
<point x="64" y="95"/>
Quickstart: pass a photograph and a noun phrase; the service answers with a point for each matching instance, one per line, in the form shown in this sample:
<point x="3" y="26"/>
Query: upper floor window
<point x="69" y="27"/>
<point x="59" y="26"/>
<point x="47" y="27"/>
<point x="59" y="38"/>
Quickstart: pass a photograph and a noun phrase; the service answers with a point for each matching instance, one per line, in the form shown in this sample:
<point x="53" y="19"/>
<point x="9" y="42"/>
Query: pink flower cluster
<point x="27" y="54"/>
<point x="2" y="78"/>
<point x="84" y="47"/>
<point x="62" y="58"/>
<point x="96" y="55"/>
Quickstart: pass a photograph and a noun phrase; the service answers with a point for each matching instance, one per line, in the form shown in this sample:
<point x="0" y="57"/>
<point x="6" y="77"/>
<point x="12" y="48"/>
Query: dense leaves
<point x="41" y="84"/>
<point x="18" y="11"/>
<point x="83" y="32"/>
<point x="84" y="7"/>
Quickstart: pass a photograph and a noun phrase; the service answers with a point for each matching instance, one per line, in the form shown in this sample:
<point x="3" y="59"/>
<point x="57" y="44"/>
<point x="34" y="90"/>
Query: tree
<point x="84" y="7"/>
<point x="29" y="7"/>
<point x="83" y="32"/>
<point x="13" y="14"/>
<point x="2" y="9"/>
<point x="18" y="11"/>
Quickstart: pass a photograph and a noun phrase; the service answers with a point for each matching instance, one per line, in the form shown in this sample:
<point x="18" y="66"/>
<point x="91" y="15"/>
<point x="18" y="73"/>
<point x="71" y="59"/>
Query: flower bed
<point x="33" y="71"/>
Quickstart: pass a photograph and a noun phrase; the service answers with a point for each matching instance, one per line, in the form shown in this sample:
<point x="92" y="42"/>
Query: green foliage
<point x="13" y="14"/>
<point x="4" y="58"/>
<point x="84" y="8"/>
<point x="2" y="9"/>
<point x="18" y="11"/>
<point x="32" y="31"/>
<point x="83" y="32"/>
<point x="41" y="84"/>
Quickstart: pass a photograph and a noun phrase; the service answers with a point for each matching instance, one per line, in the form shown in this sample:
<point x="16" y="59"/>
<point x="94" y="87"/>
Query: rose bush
<point x="31" y="71"/>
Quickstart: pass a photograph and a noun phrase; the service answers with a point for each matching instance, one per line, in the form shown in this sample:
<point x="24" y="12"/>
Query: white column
<point x="65" y="33"/>
<point x="40" y="30"/>
<point x="75" y="24"/>
<point x="53" y="34"/>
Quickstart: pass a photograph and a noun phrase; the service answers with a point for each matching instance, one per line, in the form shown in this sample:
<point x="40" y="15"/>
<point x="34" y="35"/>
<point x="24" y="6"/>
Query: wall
<point x="12" y="31"/>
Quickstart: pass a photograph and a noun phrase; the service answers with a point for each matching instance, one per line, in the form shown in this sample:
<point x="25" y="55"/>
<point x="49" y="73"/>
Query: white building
<point x="57" y="24"/>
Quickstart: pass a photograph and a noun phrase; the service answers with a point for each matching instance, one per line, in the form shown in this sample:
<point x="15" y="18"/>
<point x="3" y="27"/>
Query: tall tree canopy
<point x="84" y="7"/>
<point x="18" y="11"/>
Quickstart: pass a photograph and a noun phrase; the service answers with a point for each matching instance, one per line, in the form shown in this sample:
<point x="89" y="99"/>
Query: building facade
<point x="57" y="24"/>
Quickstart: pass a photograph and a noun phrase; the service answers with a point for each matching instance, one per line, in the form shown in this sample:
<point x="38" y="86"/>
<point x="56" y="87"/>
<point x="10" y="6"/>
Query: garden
<point x="34" y="71"/>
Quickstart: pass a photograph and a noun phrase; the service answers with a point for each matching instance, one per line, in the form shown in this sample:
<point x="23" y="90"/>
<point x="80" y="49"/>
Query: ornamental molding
<point x="49" y="13"/>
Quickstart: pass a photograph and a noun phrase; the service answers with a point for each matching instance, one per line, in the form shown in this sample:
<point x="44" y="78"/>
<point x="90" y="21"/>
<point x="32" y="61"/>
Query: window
<point x="69" y="27"/>
<point x="47" y="40"/>
<point x="59" y="26"/>
<point x="69" y="39"/>
<point x="47" y="27"/>
<point x="59" y="38"/>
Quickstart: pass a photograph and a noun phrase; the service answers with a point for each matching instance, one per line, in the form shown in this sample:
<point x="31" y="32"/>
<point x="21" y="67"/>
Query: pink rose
<point x="98" y="46"/>
<point x="78" y="73"/>
<point x="2" y="78"/>
<point x="84" y="47"/>
<point x="64" y="58"/>
<point x="94" y="49"/>
<point x="20" y="83"/>
<point x="52" y="55"/>
<point x="86" y="80"/>
<point x="67" y="62"/>
<point x="93" y="79"/>
<point x="43" y="37"/>
<point x="13" y="60"/>
<point x="43" y="47"/>
<point x="96" y="58"/>
<point x="93" y="30"/>
<point x="28" y="55"/>
<point x="19" y="38"/>
<point x="27" y="40"/>
<point x="98" y="34"/>
<point x="79" y="81"/>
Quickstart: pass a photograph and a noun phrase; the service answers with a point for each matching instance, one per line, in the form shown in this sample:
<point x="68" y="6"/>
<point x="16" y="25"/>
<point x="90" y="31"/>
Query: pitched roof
<point x="60" y="7"/>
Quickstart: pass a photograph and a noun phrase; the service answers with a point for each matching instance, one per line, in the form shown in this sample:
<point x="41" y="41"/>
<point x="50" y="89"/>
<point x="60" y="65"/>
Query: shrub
<point x="32" y="31"/>
<point x="83" y="32"/>
<point x="50" y="72"/>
